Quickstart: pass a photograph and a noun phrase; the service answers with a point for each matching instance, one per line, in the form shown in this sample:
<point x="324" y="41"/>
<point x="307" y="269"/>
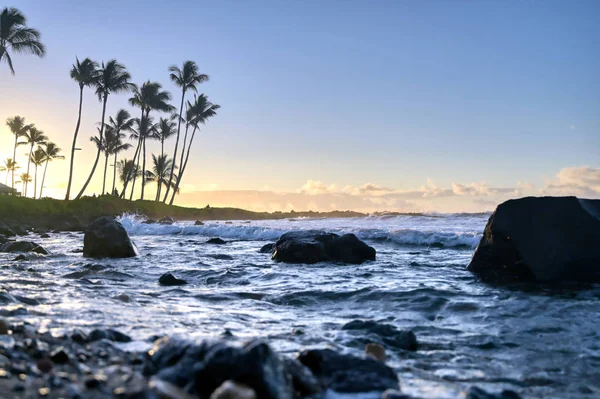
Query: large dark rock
<point x="540" y="239"/>
<point x="107" y="238"/>
<point x="23" y="246"/>
<point x="202" y="368"/>
<point x="216" y="241"/>
<point x="384" y="334"/>
<point x="478" y="393"/>
<point x="312" y="246"/>
<point x="199" y="223"/>
<point x="169" y="279"/>
<point x="347" y="373"/>
<point x="166" y="220"/>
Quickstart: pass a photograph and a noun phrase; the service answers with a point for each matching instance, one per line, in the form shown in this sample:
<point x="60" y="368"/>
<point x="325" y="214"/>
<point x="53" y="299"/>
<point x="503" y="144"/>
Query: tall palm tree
<point x="118" y="126"/>
<point x="144" y="128"/>
<point x="112" y="145"/>
<point x="127" y="171"/>
<point x="18" y="127"/>
<point x="33" y="137"/>
<point x="149" y="97"/>
<point x="25" y="178"/>
<point x="112" y="78"/>
<point x="15" y="36"/>
<point x="37" y="158"/>
<point x="161" y="170"/>
<point x="201" y="111"/>
<point x="9" y="166"/>
<point x="84" y="73"/>
<point x="164" y="130"/>
<point x="187" y="78"/>
<point x="51" y="152"/>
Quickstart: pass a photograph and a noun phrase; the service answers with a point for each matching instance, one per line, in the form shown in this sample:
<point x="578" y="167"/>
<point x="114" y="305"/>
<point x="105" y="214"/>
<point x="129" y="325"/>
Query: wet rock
<point x="233" y="390"/>
<point x="387" y="334"/>
<point x="109" y="334"/>
<point x="20" y="257"/>
<point x="303" y="380"/>
<point x="79" y="336"/>
<point x="199" y="223"/>
<point x="4" y="326"/>
<point x="3" y="239"/>
<point x="169" y="279"/>
<point x="478" y="393"/>
<point x="540" y="239"/>
<point x="59" y="356"/>
<point x="393" y="394"/>
<point x="107" y="238"/>
<point x="313" y="246"/>
<point x="45" y="365"/>
<point x="149" y="221"/>
<point x="44" y="235"/>
<point x="166" y="220"/>
<point x="166" y="390"/>
<point x="347" y="373"/>
<point x="375" y="351"/>
<point x="267" y="248"/>
<point x="217" y="241"/>
<point x="23" y="246"/>
<point x="7" y="232"/>
<point x="220" y="256"/>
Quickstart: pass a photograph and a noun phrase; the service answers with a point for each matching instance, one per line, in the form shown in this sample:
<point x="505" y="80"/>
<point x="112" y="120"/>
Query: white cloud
<point x="582" y="181"/>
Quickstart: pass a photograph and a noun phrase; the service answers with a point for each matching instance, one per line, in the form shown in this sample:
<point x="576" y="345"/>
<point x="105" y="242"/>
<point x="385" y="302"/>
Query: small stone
<point x="376" y="351"/>
<point x="4" y="360"/>
<point x="73" y="391"/>
<point x="44" y="235"/>
<point x="217" y="241"/>
<point x="4" y="326"/>
<point x="59" y="356"/>
<point x="4" y="374"/>
<point x="169" y="279"/>
<point x="20" y="258"/>
<point x="79" y="336"/>
<point x="233" y="390"/>
<point x="45" y="365"/>
<point x="122" y="298"/>
<point x="95" y="381"/>
<point x="44" y="391"/>
<point x="199" y="223"/>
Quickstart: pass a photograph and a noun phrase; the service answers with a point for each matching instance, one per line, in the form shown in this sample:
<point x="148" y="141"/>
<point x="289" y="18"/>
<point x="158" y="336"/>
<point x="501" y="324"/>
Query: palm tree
<point x="33" y="137"/>
<point x="112" y="78"/>
<point x="201" y="111"/>
<point x="148" y="97"/>
<point x="37" y="158"/>
<point x="84" y="73"/>
<point x="17" y="37"/>
<point x="51" y="152"/>
<point x="18" y="127"/>
<point x="112" y="145"/>
<point x="118" y="126"/>
<point x="9" y="166"/>
<point x="187" y="78"/>
<point x="164" y="130"/>
<point x="25" y="178"/>
<point x="127" y="171"/>
<point x="161" y="170"/>
<point x="145" y="128"/>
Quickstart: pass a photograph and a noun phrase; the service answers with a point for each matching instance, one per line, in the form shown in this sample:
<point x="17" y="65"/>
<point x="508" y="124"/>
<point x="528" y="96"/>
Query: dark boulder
<point x="313" y="246"/>
<point x="169" y="279"/>
<point x="166" y="220"/>
<point x="107" y="238"/>
<point x="23" y="246"/>
<point x="44" y="235"/>
<point x="216" y="241"/>
<point x="540" y="239"/>
<point x="384" y="334"/>
<point x="478" y="393"/>
<point x="199" y="223"/>
<point x="347" y="373"/>
<point x="267" y="248"/>
<point x="6" y="231"/>
<point x="108" y="334"/>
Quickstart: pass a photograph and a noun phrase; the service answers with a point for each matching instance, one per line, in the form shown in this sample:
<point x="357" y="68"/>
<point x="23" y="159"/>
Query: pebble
<point x="4" y="326"/>
<point x="59" y="356"/>
<point x="233" y="390"/>
<point x="45" y="365"/>
<point x="376" y="351"/>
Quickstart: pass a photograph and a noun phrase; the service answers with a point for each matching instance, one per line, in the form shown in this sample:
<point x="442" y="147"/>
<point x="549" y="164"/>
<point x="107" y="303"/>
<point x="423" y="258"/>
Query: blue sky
<point x="344" y="92"/>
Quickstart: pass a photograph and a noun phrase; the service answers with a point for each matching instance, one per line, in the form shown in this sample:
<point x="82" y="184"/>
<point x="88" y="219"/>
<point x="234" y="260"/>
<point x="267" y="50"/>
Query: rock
<point x="393" y="394"/>
<point x="109" y="334"/>
<point x="23" y="246"/>
<point x="347" y="373"/>
<point x="166" y="390"/>
<point x="107" y="238"/>
<point x="478" y="393"/>
<point x="166" y="220"/>
<point x="386" y="333"/>
<point x="199" y="223"/>
<point x="375" y="351"/>
<point x="79" y="336"/>
<point x="217" y="241"/>
<point x="303" y="380"/>
<point x="313" y="246"/>
<point x="5" y="231"/>
<point x="3" y="239"/>
<point x="45" y="365"/>
<point x="4" y="326"/>
<point x="233" y="390"/>
<point x="170" y="279"/>
<point x="267" y="248"/>
<point x="20" y="257"/>
<point x="44" y="235"/>
<point x="59" y="356"/>
<point x="149" y="221"/>
<point x="540" y="239"/>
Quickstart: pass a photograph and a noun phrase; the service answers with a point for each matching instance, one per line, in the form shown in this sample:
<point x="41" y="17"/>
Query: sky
<point x="438" y="106"/>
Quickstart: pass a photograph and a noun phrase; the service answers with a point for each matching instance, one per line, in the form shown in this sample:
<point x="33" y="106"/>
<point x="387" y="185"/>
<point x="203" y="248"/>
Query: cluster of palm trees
<point x="46" y="151"/>
<point x="112" y="78"/>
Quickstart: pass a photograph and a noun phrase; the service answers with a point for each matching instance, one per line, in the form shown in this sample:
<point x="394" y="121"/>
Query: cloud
<point x="582" y="181"/>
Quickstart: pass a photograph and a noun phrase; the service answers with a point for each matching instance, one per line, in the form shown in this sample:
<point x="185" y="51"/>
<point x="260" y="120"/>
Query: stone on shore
<point x="166" y="220"/>
<point x="313" y="246"/>
<point x="216" y="241"/>
<point x="199" y="223"/>
<point x="540" y="239"/>
<point x="371" y="331"/>
<point x="23" y="246"/>
<point x="169" y="279"/>
<point x="107" y="238"/>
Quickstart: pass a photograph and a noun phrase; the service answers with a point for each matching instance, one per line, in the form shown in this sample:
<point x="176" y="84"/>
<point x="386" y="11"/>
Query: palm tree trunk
<point x="28" y="164"/>
<point x="129" y="174"/>
<point x="136" y="165"/>
<point x="183" y="166"/>
<point x="114" y="174"/>
<point x="74" y="144"/>
<point x="187" y="126"/>
<point x="14" y="162"/>
<point x="157" y="191"/>
<point x="143" y="166"/>
<point x="44" y="177"/>
<point x="105" y="168"/>
<point x="35" y="183"/>
<point x="176" y="144"/>
<point x="98" y="152"/>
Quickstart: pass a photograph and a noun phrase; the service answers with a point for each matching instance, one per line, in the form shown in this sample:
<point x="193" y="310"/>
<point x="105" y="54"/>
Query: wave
<point x="409" y="237"/>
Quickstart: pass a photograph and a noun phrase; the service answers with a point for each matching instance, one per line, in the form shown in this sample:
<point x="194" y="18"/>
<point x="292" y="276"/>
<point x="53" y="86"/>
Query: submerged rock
<point x="109" y="334"/>
<point x="107" y="238"/>
<point x="149" y="221"/>
<point x="199" y="223"/>
<point x="347" y="373"/>
<point x="540" y="239"/>
<point x="384" y="333"/>
<point x="478" y="393"/>
<point x="313" y="246"/>
<point x="217" y="241"/>
<point x="267" y="248"/>
<point x="169" y="279"/>
<point x="166" y="220"/>
<point x="23" y="246"/>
